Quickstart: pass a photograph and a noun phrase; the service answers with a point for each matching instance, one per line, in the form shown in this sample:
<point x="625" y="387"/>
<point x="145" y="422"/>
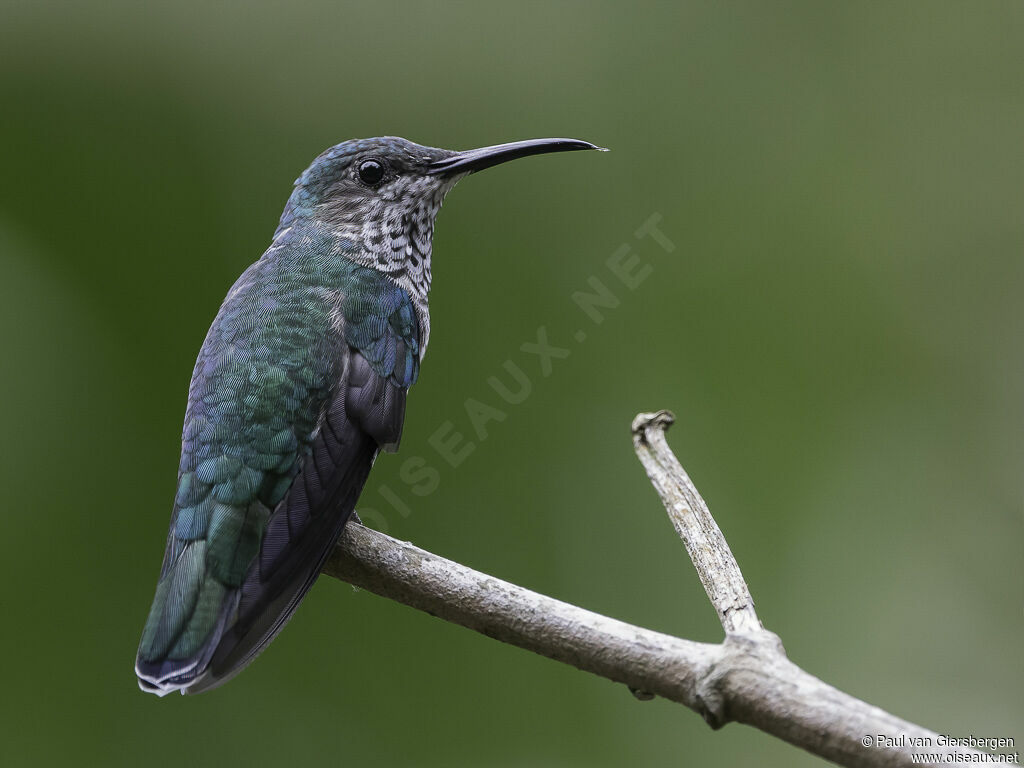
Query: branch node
<point x="760" y="643"/>
<point x="660" y="420"/>
<point x="640" y="695"/>
<point x="711" y="703"/>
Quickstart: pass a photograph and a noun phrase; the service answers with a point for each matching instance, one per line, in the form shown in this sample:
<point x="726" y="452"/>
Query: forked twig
<point x="747" y="678"/>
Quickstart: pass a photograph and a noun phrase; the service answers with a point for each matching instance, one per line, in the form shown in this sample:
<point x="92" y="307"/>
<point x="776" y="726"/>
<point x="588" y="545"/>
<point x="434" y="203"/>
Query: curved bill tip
<point x="472" y="160"/>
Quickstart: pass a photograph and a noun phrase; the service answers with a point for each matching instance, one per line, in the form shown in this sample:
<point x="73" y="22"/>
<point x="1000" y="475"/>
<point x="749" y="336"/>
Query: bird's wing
<point x="262" y="497"/>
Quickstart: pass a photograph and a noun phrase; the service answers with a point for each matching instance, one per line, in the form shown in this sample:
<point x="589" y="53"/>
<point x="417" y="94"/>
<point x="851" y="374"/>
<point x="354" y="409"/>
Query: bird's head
<point x="380" y="196"/>
<point x="375" y="201"/>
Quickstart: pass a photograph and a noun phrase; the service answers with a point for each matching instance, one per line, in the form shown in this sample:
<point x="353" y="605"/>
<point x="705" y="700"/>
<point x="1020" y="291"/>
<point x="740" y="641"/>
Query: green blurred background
<point x="838" y="331"/>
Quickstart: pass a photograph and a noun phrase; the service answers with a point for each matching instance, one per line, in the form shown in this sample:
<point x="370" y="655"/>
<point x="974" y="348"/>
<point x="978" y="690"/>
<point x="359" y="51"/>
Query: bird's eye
<point x="371" y="172"/>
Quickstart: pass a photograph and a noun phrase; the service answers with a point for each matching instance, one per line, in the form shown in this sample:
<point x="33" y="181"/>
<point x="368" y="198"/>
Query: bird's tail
<point x="297" y="540"/>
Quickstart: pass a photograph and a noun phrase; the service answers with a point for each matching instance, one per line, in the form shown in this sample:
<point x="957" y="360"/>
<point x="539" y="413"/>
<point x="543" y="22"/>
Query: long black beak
<point x="472" y="160"/>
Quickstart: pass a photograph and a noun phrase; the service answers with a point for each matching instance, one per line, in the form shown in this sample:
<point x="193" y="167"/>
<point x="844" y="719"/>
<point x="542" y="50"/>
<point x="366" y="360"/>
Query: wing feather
<point x="330" y="486"/>
<point x="274" y="457"/>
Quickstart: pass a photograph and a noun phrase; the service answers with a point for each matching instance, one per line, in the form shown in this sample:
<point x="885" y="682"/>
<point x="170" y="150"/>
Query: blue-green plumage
<point x="300" y="382"/>
<point x="268" y="367"/>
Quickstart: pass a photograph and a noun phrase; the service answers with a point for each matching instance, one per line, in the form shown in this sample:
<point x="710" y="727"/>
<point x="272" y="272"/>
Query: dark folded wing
<point x="367" y="412"/>
<point x="283" y="425"/>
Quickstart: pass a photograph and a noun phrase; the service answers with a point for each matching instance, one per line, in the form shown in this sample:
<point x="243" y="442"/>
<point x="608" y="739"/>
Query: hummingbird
<point x="300" y="383"/>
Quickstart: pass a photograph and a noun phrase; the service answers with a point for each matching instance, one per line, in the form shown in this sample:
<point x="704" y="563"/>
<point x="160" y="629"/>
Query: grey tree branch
<point x="747" y="678"/>
<point x="711" y="556"/>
